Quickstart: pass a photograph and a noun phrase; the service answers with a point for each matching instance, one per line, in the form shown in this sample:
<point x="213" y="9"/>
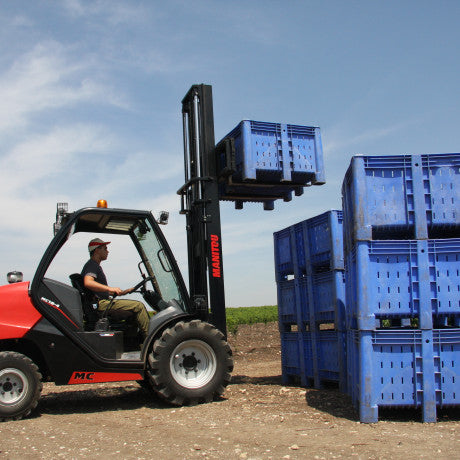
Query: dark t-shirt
<point x="93" y="269"/>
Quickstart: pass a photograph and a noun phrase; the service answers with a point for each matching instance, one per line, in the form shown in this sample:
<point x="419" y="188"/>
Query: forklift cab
<point x="68" y="306"/>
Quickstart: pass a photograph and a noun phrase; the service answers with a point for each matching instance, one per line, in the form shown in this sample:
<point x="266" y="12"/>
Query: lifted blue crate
<point x="313" y="245"/>
<point x="403" y="368"/>
<point x="402" y="278"/>
<point x="401" y="197"/>
<point x="264" y="162"/>
<point x="277" y="152"/>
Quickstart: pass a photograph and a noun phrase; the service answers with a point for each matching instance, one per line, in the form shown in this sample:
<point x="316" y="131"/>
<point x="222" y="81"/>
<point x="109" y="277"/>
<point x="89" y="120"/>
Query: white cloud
<point x="141" y="168"/>
<point x="157" y="35"/>
<point x="114" y="12"/>
<point x="340" y="139"/>
<point x="21" y="21"/>
<point x="48" y="77"/>
<point x="40" y="156"/>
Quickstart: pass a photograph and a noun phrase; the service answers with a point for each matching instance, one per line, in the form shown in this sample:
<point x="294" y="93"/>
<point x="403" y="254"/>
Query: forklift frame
<point x="200" y="204"/>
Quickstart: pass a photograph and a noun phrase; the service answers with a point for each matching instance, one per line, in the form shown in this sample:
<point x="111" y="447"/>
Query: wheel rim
<point x="193" y="364"/>
<point x="13" y="386"/>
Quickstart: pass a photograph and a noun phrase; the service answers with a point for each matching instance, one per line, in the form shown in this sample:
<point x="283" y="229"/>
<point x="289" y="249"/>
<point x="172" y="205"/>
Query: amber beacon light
<point x="102" y="204"/>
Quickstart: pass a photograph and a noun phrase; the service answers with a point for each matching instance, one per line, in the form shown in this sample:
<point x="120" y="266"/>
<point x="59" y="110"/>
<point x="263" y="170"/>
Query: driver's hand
<point x="127" y="291"/>
<point x="115" y="291"/>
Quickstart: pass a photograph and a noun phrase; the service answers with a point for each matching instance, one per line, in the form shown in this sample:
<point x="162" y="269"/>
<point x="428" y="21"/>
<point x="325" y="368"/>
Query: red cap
<point x="96" y="243"/>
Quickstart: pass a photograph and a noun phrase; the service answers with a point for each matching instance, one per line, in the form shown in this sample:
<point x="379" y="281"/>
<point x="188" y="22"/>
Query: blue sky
<point x="90" y="107"/>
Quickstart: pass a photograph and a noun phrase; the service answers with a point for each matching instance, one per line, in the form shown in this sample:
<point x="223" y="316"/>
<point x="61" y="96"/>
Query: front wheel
<point x="20" y="385"/>
<point x="190" y="363"/>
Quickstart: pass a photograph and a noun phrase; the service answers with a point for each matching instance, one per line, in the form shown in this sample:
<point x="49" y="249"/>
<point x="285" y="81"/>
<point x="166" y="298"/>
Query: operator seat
<point x="118" y="321"/>
<point x="88" y="300"/>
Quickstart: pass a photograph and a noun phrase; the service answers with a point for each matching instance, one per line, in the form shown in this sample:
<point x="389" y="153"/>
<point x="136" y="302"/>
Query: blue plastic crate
<point x="329" y="297"/>
<point x="311" y="245"/>
<point x="293" y="302"/>
<point x="330" y="356"/>
<point x="291" y="356"/>
<point x="402" y="278"/>
<point x="403" y="368"/>
<point x="277" y="152"/>
<point x="401" y="196"/>
<point x="319" y="298"/>
<point x="314" y="357"/>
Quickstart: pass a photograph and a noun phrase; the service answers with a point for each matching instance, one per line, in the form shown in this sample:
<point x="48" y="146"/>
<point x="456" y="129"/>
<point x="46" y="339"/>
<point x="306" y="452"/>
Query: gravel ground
<point x="258" y="418"/>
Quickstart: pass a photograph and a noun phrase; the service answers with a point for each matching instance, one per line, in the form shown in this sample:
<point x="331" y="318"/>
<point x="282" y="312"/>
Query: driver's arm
<point x="91" y="284"/>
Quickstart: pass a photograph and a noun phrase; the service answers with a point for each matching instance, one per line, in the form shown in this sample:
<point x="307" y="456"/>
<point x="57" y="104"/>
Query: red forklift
<point x="52" y="331"/>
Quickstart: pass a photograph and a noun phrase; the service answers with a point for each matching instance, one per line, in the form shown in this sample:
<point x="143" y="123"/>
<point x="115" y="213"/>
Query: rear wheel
<point x="190" y="363"/>
<point x="20" y="385"/>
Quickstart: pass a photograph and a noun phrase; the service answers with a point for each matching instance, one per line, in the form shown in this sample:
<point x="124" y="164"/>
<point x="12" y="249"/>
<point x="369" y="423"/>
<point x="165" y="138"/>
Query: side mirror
<point x="163" y="218"/>
<point x="61" y="212"/>
<point x="14" y="277"/>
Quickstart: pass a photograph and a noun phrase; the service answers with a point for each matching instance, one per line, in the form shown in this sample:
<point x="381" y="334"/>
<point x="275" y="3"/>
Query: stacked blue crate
<point x="311" y="293"/>
<point x="263" y="162"/>
<point x="402" y="262"/>
<point x="401" y="197"/>
<point x="404" y="280"/>
<point x="403" y="368"/>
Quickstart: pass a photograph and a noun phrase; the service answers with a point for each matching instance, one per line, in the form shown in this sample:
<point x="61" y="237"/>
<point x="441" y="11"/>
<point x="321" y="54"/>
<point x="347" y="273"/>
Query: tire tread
<point x="35" y="370"/>
<point x="161" y="387"/>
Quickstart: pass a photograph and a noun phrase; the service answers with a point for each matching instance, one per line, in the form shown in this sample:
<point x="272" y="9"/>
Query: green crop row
<point x="250" y="315"/>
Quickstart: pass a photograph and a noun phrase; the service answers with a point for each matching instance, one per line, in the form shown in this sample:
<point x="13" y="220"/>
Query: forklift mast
<point x="200" y="204"/>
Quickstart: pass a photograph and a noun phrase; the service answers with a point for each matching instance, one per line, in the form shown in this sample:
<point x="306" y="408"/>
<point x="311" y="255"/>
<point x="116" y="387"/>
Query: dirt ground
<point x="258" y="418"/>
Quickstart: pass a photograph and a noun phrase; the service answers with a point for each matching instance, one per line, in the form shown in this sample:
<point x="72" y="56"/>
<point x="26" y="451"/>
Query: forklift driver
<point x="94" y="279"/>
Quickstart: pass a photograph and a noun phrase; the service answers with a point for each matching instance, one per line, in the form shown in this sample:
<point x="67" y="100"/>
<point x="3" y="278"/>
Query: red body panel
<point x="17" y="313"/>
<point x="100" y="377"/>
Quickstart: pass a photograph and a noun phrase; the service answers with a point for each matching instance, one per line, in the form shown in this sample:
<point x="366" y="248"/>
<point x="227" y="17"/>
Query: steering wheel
<point x="151" y="297"/>
<point x="142" y="284"/>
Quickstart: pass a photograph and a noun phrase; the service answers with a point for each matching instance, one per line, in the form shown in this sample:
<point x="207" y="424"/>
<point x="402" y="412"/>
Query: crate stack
<point x="311" y="300"/>
<point x="402" y="262"/>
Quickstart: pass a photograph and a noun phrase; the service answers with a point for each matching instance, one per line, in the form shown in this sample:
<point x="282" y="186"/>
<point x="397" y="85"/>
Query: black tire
<point x="20" y="385"/>
<point x="190" y="363"/>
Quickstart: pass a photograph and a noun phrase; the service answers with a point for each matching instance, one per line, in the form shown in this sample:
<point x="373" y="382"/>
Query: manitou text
<point x="215" y="256"/>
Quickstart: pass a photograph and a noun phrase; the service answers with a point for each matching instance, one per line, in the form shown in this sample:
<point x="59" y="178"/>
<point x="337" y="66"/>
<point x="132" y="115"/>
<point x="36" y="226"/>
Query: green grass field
<point x="250" y="315"/>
